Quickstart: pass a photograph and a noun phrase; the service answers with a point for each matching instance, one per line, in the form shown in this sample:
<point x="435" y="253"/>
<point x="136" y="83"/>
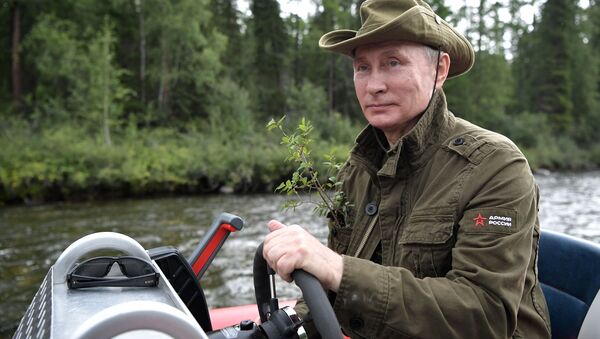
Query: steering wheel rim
<point x="314" y="295"/>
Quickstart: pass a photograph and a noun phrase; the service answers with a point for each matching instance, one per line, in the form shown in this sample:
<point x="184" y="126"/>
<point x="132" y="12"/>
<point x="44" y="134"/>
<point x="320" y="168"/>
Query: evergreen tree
<point x="483" y="95"/>
<point x="586" y="69"/>
<point x="553" y="59"/>
<point x="225" y="18"/>
<point x="331" y="71"/>
<point x="269" y="56"/>
<point x="15" y="48"/>
<point x="296" y="29"/>
<point x="524" y="61"/>
<point x="77" y="78"/>
<point x="5" y="58"/>
<point x="186" y="61"/>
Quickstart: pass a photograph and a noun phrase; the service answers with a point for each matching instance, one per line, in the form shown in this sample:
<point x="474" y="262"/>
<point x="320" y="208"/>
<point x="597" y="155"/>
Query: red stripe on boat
<point x="223" y="231"/>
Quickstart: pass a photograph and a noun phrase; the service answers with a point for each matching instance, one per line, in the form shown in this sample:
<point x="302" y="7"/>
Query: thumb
<point x="275" y="225"/>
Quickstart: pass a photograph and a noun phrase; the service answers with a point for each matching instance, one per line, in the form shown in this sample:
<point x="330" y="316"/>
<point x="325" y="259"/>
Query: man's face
<point x="393" y="82"/>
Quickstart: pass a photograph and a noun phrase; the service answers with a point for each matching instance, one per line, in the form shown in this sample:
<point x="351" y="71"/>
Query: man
<point x="442" y="237"/>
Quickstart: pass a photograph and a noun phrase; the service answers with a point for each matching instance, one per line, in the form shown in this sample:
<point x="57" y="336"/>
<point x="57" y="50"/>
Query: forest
<point x="126" y="98"/>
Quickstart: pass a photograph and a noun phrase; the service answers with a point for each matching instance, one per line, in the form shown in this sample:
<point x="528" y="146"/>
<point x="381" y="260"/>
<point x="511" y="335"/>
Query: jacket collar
<point x="413" y="149"/>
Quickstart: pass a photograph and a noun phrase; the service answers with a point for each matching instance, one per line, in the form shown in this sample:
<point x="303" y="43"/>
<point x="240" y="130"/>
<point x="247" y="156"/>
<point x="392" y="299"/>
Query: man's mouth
<point x="376" y="106"/>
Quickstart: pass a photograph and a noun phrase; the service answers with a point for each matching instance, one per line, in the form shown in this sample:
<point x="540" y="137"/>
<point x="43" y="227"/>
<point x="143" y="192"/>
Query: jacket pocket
<point x="339" y="237"/>
<point x="425" y="245"/>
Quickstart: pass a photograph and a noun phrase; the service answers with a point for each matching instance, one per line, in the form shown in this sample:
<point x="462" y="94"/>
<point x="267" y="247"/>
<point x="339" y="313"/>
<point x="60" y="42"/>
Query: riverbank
<point x="68" y="163"/>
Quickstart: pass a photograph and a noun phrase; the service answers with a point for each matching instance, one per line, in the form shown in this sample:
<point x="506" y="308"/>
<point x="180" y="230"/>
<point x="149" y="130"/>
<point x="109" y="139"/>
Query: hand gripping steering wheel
<point x="314" y="295"/>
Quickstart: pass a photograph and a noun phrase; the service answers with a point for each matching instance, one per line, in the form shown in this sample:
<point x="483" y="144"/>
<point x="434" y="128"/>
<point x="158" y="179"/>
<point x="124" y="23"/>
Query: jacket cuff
<point x="362" y="297"/>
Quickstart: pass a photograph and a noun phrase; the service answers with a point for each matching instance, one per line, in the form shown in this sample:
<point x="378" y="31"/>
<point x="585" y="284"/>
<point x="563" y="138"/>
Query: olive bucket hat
<point x="406" y="20"/>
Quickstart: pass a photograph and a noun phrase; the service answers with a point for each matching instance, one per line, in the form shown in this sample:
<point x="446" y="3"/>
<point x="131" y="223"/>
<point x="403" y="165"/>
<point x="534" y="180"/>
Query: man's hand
<point x="289" y="248"/>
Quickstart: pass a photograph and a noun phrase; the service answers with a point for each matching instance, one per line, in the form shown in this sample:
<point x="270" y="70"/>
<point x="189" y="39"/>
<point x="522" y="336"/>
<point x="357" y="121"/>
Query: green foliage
<point x="58" y="57"/>
<point x="306" y="176"/>
<point x="186" y="62"/>
<point x="225" y="18"/>
<point x="139" y="162"/>
<point x="558" y="153"/>
<point x="482" y="95"/>
<point x="309" y="101"/>
<point x="75" y="79"/>
<point x="553" y="82"/>
<point x="440" y="8"/>
<point x="105" y="90"/>
<point x="144" y="96"/>
<point x="229" y="112"/>
<point x="330" y="71"/>
<point x="270" y="48"/>
<point x="586" y="90"/>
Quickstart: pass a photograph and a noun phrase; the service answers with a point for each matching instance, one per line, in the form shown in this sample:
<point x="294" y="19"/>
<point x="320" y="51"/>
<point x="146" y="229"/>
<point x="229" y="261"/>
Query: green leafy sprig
<point x="306" y="178"/>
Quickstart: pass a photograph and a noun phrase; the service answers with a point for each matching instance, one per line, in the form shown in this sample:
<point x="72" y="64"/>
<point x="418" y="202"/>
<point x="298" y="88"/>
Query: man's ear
<point x="443" y="69"/>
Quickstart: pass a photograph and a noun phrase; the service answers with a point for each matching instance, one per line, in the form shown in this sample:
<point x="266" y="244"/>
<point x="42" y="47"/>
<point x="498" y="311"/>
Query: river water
<point x="34" y="237"/>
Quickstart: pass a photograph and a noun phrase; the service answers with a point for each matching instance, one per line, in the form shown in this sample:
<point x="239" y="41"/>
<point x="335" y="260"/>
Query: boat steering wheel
<point x="314" y="295"/>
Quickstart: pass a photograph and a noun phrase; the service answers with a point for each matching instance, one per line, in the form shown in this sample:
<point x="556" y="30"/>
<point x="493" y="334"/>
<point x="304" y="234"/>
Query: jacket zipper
<point x="363" y="241"/>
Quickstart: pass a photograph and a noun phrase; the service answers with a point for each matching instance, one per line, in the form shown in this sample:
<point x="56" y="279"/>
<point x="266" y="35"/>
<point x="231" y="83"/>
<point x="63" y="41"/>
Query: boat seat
<point x="569" y="273"/>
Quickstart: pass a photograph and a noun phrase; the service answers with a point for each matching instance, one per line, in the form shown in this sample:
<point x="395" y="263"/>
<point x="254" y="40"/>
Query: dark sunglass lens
<point x="97" y="267"/>
<point x="135" y="268"/>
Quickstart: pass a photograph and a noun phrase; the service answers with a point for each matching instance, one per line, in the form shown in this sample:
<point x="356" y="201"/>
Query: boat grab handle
<point x="94" y="242"/>
<point x="139" y="315"/>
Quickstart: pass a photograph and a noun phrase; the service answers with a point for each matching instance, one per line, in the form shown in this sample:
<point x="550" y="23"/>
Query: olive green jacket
<point x="451" y="215"/>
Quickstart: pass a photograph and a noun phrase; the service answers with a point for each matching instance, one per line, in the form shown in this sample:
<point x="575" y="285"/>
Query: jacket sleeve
<point x="479" y="296"/>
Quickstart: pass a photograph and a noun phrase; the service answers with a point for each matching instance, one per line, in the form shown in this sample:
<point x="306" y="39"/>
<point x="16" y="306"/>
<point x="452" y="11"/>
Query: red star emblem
<point x="480" y="220"/>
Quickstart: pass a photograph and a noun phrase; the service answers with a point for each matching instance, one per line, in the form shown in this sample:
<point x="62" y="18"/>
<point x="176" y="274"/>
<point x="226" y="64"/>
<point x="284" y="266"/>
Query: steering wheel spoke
<point x="314" y="295"/>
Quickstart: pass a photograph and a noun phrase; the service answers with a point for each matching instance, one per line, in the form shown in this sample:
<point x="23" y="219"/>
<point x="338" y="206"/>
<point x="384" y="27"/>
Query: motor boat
<point x="174" y="304"/>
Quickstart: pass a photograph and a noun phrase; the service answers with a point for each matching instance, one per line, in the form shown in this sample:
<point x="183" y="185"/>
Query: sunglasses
<point x="92" y="273"/>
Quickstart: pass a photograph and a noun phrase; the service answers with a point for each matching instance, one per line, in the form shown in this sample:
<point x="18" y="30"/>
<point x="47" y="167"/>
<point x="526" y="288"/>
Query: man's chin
<point x="385" y="127"/>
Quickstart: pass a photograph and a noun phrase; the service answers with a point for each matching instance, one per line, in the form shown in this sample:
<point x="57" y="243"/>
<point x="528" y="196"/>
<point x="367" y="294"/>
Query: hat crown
<point x="403" y="20"/>
<point x="376" y="13"/>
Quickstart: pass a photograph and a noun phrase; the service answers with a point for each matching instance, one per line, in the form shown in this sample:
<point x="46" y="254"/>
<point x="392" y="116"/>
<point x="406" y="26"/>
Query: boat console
<point x="60" y="312"/>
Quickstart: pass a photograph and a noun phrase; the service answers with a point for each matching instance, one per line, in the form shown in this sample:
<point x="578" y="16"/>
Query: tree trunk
<point x="15" y="55"/>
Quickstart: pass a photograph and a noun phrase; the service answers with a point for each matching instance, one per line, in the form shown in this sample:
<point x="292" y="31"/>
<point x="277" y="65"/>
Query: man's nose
<point x="376" y="84"/>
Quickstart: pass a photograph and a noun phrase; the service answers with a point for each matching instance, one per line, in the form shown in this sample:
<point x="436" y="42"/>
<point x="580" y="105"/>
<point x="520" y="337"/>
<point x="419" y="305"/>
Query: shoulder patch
<point x="489" y="220"/>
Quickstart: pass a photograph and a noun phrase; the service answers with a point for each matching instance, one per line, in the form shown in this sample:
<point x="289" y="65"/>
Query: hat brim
<point x="425" y="28"/>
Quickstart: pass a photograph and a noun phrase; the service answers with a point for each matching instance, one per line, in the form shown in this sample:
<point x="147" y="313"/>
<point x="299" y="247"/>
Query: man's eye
<point x="362" y="68"/>
<point x="394" y="63"/>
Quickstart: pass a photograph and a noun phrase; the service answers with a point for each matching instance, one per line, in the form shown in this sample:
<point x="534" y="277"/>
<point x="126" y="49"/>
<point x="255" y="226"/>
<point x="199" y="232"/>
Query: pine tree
<point x="225" y="18"/>
<point x="269" y="56"/>
<point x="331" y="71"/>
<point x="586" y="69"/>
<point x="483" y="95"/>
<point x="553" y="59"/>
